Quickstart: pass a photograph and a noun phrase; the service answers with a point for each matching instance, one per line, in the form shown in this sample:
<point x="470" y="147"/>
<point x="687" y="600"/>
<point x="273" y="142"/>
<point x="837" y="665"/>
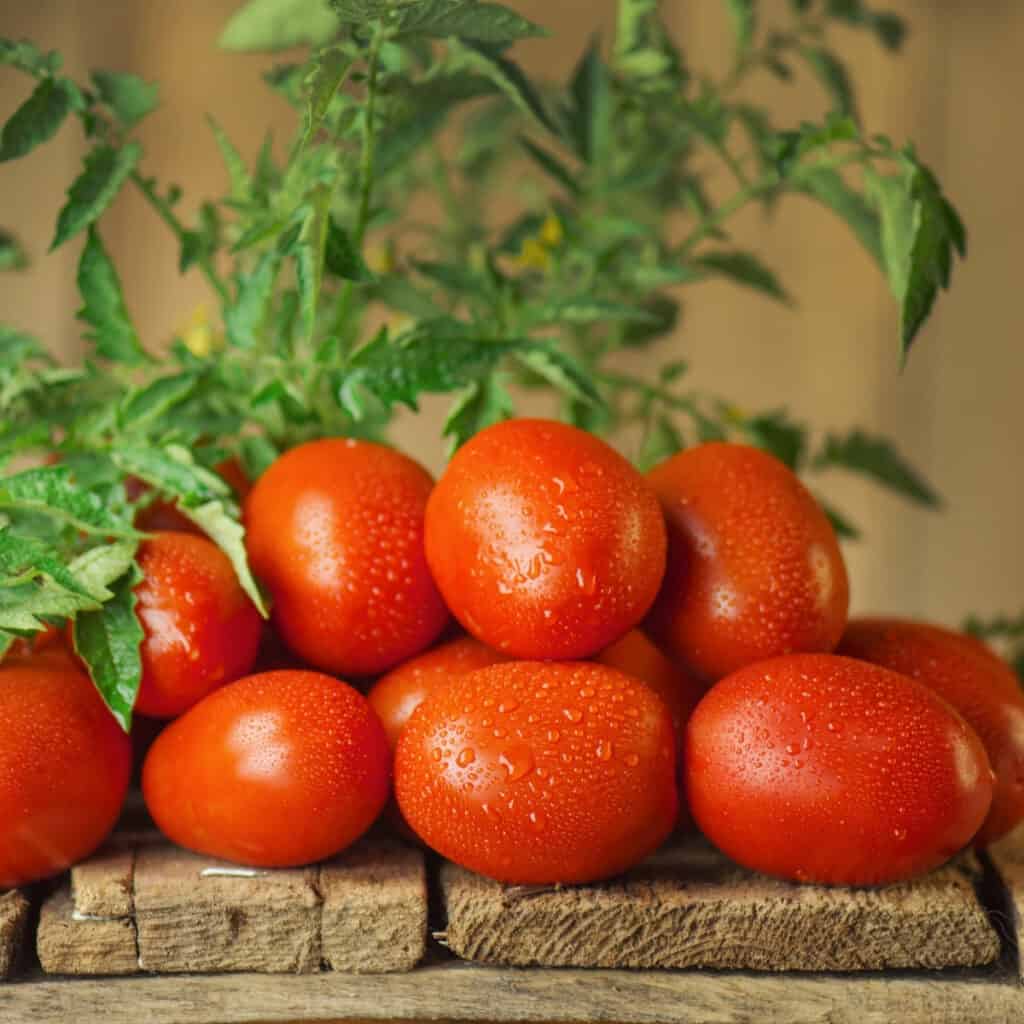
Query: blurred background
<point x="833" y="360"/>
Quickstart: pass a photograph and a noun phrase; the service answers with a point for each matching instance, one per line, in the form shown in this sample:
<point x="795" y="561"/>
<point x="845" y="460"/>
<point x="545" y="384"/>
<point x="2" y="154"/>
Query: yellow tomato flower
<point x="198" y="335"/>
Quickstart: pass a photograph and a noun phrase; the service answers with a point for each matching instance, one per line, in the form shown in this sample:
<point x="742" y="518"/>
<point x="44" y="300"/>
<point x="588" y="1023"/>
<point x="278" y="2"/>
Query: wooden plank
<point x="14" y="908"/>
<point x="463" y="992"/>
<point x="690" y="907"/>
<point x="102" y="885"/>
<point x="70" y="942"/>
<point x="1007" y="857"/>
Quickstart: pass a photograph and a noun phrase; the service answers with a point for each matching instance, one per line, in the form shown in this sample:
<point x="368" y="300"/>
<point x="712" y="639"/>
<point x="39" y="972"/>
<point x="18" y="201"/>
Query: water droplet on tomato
<point x="507" y="705"/>
<point x="536" y="821"/>
<point x="553" y="735"/>
<point x="899" y="834"/>
<point x="436" y="753"/>
<point x="466" y="757"/>
<point x="604" y="750"/>
<point x="573" y="714"/>
<point x="632" y="760"/>
<point x="587" y="692"/>
<point x="517" y="763"/>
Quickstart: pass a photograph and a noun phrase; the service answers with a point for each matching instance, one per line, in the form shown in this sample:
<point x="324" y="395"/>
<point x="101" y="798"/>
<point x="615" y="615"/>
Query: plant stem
<point x="167" y="215"/>
<point x="745" y="195"/>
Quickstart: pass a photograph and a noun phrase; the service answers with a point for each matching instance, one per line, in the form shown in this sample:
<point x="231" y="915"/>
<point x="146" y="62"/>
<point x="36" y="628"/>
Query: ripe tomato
<point x="398" y="694"/>
<point x="165" y="515"/>
<point x="819" y="768"/>
<point x="979" y="685"/>
<point x="275" y="770"/>
<point x="545" y="542"/>
<point x="64" y="769"/>
<point x="335" y="530"/>
<point x="201" y="630"/>
<point x="537" y="773"/>
<point x="754" y="567"/>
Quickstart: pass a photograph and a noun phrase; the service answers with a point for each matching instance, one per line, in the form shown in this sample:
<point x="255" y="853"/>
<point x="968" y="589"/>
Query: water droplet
<point x="517" y="763"/>
<point x="792" y="748"/>
<point x="504" y="589"/>
<point x="899" y="834"/>
<point x="632" y="712"/>
<point x="632" y="760"/>
<point x="573" y="714"/>
<point x="536" y="821"/>
<point x="553" y="735"/>
<point x="507" y="705"/>
<point x="486" y="723"/>
<point x="587" y="692"/>
<point x="466" y="757"/>
<point x="498" y="733"/>
<point x="604" y="751"/>
<point x="436" y="753"/>
<point x="548" y="613"/>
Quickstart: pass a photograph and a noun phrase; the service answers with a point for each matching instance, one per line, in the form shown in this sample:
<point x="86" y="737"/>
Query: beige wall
<point x="956" y="409"/>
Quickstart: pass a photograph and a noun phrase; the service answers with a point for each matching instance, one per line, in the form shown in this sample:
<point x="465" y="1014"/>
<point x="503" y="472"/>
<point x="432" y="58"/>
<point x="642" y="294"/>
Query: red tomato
<point x="537" y="773"/>
<point x="545" y="542"/>
<point x="275" y="770"/>
<point x="824" y="769"/>
<point x="754" y="567"/>
<point x="398" y="694"/>
<point x="165" y="515"/>
<point x="979" y="685"/>
<point x="335" y="530"/>
<point x="201" y="630"/>
<point x="64" y="770"/>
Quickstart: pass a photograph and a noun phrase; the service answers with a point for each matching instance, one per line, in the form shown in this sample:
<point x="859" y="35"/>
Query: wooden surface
<point x="14" y="908"/>
<point x="690" y="907"/>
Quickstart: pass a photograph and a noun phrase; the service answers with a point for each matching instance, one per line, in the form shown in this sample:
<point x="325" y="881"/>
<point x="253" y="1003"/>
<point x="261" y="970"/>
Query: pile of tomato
<point x="552" y="663"/>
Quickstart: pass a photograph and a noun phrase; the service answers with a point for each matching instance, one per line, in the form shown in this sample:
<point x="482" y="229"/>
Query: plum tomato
<point x="545" y="542"/>
<point x="274" y="770"/>
<point x="754" y="567"/>
<point x="540" y="772"/>
<point x="982" y="687"/>
<point x="335" y="531"/>
<point x="398" y="694"/>
<point x="820" y="768"/>
<point x="200" y="629"/>
<point x="64" y="769"/>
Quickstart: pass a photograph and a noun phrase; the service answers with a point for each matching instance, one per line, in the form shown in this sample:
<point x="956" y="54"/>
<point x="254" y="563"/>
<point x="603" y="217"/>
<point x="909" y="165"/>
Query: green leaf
<point x="104" y="311"/>
<point x="829" y="187"/>
<point x="790" y="147"/>
<point x="661" y="442"/>
<point x="511" y="80"/>
<point x="109" y="642"/>
<point x="591" y="114"/>
<point x="552" y="166"/>
<point x="878" y="459"/>
<point x="142" y="406"/>
<point x="23" y="559"/>
<point x="777" y="434"/>
<point x="830" y="71"/>
<point x="586" y="310"/>
<point x="330" y="69"/>
<point x="246" y="316"/>
<point x="361" y="10"/>
<point x="744" y="19"/>
<point x="36" y="121"/>
<point x="562" y="372"/>
<point x="106" y="170"/>
<point x="12" y="253"/>
<point x="128" y="96"/>
<point x="172" y="471"/>
<point x="482" y="404"/>
<point x="487" y="23"/>
<point x="99" y="567"/>
<point x="238" y="174"/>
<point x="845" y="529"/>
<point x="889" y="28"/>
<point x="229" y="535"/>
<point x="258" y="455"/>
<point x="27" y="57"/>
<point x="269" y="25"/>
<point x="743" y="268"/>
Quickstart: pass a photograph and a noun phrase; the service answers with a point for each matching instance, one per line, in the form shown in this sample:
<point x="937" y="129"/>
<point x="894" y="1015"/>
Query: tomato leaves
<point x="261" y="25"/>
<point x="106" y="170"/>
<point x="38" y="118"/>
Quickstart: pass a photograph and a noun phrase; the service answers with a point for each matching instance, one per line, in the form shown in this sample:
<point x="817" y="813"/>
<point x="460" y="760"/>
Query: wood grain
<point x="102" y="885"/>
<point x="69" y="942"/>
<point x="690" y="907"/>
<point x="14" y="909"/>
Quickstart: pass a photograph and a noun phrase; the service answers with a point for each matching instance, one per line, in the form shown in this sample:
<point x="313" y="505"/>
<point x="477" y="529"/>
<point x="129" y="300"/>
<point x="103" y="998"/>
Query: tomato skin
<point x="979" y="685"/>
<point x="335" y="530"/>
<point x="64" y="769"/>
<point x="819" y="768"/>
<point x="398" y="694"/>
<point x="201" y="629"/>
<point x="540" y="772"/>
<point x="274" y="770"/>
<point x="754" y="566"/>
<point x="545" y="542"/>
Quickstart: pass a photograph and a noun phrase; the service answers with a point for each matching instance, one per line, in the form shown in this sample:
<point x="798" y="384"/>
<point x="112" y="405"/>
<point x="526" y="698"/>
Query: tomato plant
<point x="754" y="567"/>
<point x="274" y="770"/>
<point x="537" y="773"/>
<point x="820" y="768"/>
<point x="545" y="542"/>
<point x="64" y="768"/>
<point x="977" y="683"/>
<point x="335" y="531"/>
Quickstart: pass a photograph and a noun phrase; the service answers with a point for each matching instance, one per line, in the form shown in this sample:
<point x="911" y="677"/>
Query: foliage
<point x="337" y="304"/>
<point x="1005" y="633"/>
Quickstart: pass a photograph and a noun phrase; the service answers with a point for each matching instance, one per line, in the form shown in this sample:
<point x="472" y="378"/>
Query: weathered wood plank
<point x="14" y="908"/>
<point x="71" y="942"/>
<point x="102" y="885"/>
<point x="374" y="914"/>
<point x="463" y="992"/>
<point x="690" y="907"/>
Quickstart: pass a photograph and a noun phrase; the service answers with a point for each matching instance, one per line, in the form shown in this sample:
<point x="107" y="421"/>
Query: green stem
<point x="718" y="217"/>
<point x="625" y="380"/>
<point x="167" y="215"/>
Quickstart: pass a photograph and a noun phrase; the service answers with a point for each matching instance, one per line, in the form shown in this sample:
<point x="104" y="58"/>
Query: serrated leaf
<point x="487" y="23"/>
<point x="828" y="186"/>
<point x="330" y="69"/>
<point x="245" y="317"/>
<point x="238" y="173"/>
<point x="12" y="253"/>
<point x="552" y="166"/>
<point x="661" y="442"/>
<point x="36" y="121"/>
<point x="109" y="642"/>
<point x="29" y="607"/>
<point x="744" y="20"/>
<point x="270" y="25"/>
<point x="154" y="401"/>
<point x="27" y="57"/>
<point x="309" y="256"/>
<point x="590" y="118"/>
<point x="743" y="268"/>
<point x="106" y="170"/>
<point x="776" y="433"/>
<point x="258" y="455"/>
<point x="98" y="568"/>
<point x="104" y="311"/>
<point x="878" y="459"/>
<point x="830" y="71"/>
<point x="129" y="97"/>
<point x="563" y="372"/>
<point x="23" y="559"/>
<point x="482" y="404"/>
<point x="172" y="471"/>
<point x="361" y="10"/>
<point x="511" y="80"/>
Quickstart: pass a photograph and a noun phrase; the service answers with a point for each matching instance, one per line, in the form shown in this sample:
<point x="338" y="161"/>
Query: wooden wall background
<point x="957" y="91"/>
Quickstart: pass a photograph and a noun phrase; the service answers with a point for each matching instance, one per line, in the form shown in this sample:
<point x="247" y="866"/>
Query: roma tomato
<point x="537" y="773"/>
<point x="201" y="630"/>
<point x="335" y="530"/>
<point x="824" y="769"/>
<point x="754" y="567"/>
<point x="64" y="769"/>
<point x="545" y="542"/>
<point x="275" y="770"/>
<point x="398" y="694"/>
<point x="979" y="685"/>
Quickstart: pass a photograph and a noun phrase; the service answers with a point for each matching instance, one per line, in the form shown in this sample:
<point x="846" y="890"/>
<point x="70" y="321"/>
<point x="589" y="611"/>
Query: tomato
<point x="335" y="530"/>
<point x="165" y="515"/>
<point x="201" y="630"/>
<point x="754" y="567"/>
<point x="274" y="770"/>
<point x="398" y="694"/>
<point x="979" y="685"/>
<point x="545" y="542"/>
<point x="820" y="768"/>
<point x="537" y="773"/>
<point x="64" y="769"/>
